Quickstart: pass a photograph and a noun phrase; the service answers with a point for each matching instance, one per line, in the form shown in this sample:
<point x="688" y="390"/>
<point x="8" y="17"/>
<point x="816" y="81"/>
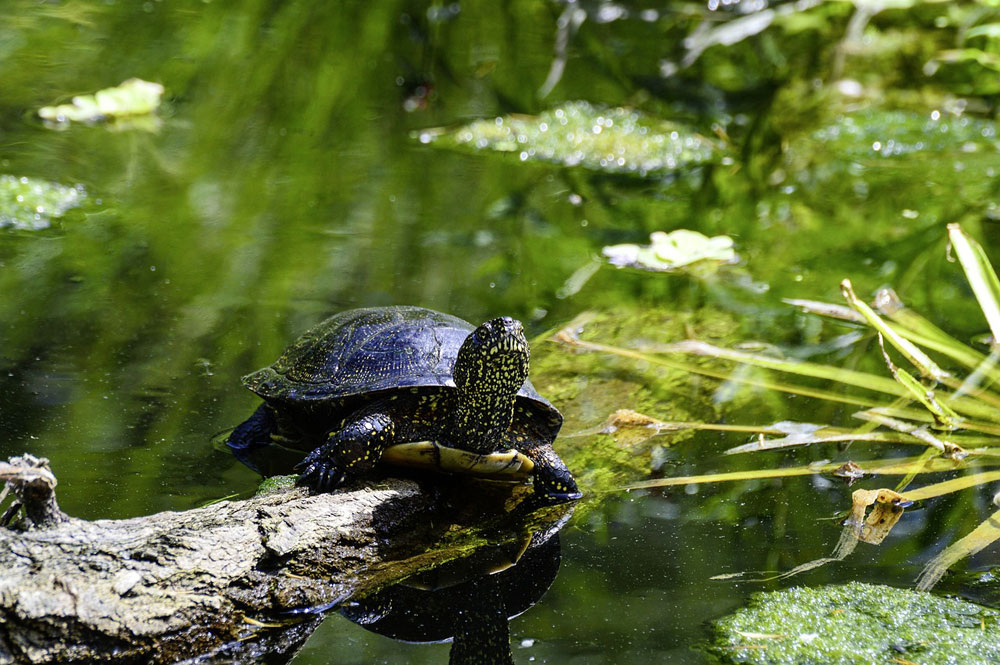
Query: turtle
<point x="410" y="386"/>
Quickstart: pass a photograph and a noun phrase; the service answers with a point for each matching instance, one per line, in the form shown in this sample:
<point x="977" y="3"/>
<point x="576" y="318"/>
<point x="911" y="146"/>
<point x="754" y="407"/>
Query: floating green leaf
<point x="30" y="204"/>
<point x="615" y="140"/>
<point x="133" y="97"/>
<point x="672" y="251"/>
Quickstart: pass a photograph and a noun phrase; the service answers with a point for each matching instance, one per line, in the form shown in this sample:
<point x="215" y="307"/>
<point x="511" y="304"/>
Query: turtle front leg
<point x="352" y="450"/>
<point x="553" y="480"/>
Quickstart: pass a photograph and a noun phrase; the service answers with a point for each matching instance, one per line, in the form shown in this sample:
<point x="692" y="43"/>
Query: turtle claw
<point x="320" y="472"/>
<point x="332" y="478"/>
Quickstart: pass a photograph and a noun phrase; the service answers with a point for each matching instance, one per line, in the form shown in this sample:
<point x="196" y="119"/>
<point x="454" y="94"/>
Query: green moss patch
<point x="857" y="624"/>
<point x="276" y="484"/>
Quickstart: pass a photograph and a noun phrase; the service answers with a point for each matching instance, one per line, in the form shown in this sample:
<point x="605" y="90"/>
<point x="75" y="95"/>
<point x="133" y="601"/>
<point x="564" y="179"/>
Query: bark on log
<point x="172" y="586"/>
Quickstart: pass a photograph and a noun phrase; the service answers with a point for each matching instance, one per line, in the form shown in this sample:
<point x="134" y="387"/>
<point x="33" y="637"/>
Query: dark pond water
<point x="284" y="184"/>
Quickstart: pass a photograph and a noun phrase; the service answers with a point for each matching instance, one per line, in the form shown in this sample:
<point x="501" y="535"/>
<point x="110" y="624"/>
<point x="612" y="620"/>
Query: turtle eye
<point x="485" y="330"/>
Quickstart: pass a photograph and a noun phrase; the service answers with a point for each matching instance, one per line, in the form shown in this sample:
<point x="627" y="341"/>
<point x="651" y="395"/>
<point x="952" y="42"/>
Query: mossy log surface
<point x="175" y="585"/>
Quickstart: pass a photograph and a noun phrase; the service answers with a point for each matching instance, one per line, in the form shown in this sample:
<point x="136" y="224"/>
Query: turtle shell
<point x="363" y="351"/>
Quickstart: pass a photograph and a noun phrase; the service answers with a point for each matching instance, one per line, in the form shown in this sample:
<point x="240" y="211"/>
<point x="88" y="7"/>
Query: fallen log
<point x="178" y="585"/>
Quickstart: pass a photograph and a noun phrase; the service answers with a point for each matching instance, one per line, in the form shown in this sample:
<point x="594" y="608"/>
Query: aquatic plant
<point x="955" y="419"/>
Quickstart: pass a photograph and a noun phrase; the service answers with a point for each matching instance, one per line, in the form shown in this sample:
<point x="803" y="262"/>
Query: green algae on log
<point x="617" y="140"/>
<point x="857" y="624"/>
<point x="30" y="204"/>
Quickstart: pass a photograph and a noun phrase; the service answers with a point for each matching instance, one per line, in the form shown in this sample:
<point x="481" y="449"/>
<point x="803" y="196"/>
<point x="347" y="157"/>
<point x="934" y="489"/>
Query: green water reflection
<point x="284" y="185"/>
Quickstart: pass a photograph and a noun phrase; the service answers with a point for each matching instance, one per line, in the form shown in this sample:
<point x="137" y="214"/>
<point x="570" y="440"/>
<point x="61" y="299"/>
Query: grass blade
<point x="827" y="435"/>
<point x="913" y="327"/>
<point x="568" y="338"/>
<point x="910" y="351"/>
<point x="953" y="485"/>
<point x="919" y="432"/>
<point x="986" y="533"/>
<point x="944" y="417"/>
<point x="980" y="274"/>
<point x="920" y="331"/>
<point x="802" y="368"/>
<point x="892" y="467"/>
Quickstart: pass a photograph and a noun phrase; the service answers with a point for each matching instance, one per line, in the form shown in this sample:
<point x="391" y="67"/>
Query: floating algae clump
<point x="857" y="624"/>
<point x="615" y="140"/>
<point x="669" y="252"/>
<point x="875" y="133"/>
<point x="30" y="204"/>
<point x="133" y="97"/>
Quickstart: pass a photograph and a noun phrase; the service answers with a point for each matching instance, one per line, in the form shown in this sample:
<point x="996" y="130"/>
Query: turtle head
<point x="493" y="359"/>
<point x="490" y="369"/>
<point x="265" y="382"/>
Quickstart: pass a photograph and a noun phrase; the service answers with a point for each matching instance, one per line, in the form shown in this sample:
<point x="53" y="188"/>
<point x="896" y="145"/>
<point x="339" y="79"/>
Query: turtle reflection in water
<point x="363" y="383"/>
<point x="469" y="604"/>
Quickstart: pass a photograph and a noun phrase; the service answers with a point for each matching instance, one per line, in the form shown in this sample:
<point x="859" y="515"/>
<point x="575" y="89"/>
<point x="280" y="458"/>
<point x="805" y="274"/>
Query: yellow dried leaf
<point x="888" y="508"/>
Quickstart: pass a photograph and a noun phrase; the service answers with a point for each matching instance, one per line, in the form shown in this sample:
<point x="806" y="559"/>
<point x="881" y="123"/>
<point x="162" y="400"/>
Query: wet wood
<point x="170" y="586"/>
